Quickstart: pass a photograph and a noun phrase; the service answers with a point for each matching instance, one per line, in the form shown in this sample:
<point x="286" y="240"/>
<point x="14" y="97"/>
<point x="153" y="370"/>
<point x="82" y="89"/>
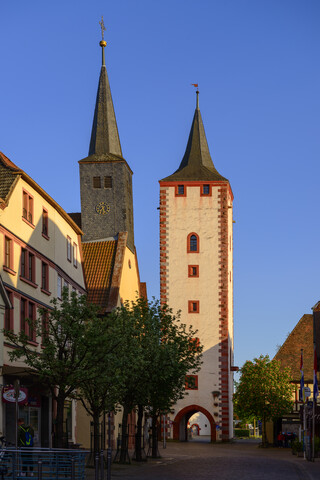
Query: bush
<point x="241" y="432"/>
<point x="297" y="446"/>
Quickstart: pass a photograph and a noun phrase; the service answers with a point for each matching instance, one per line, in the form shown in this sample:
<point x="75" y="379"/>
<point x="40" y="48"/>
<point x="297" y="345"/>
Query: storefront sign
<point x="8" y="395"/>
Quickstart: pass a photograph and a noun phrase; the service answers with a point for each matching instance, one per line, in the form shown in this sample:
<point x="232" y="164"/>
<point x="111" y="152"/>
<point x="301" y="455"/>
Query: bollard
<point x="39" y="470"/>
<point x="72" y="468"/>
<point x="96" y="464"/>
<point x="109" y="463"/>
<point x="101" y="465"/>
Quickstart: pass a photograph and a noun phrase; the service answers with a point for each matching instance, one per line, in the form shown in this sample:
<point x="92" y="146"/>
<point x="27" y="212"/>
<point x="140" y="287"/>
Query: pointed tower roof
<point x="104" y="136"/>
<point x="197" y="163"/>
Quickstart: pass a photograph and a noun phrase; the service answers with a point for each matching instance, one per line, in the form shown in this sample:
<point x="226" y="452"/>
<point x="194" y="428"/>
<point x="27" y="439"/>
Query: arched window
<point x="193" y="243"/>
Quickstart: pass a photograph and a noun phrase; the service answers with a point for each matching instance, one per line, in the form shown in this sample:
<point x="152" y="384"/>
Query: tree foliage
<point x="264" y="390"/>
<point x="71" y="337"/>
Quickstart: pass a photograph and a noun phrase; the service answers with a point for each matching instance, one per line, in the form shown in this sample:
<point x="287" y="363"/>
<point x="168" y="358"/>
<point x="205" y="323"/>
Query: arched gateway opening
<point x="180" y="423"/>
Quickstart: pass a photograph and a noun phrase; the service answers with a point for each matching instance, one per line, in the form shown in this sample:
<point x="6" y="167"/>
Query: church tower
<point x="196" y="277"/>
<point x="105" y="176"/>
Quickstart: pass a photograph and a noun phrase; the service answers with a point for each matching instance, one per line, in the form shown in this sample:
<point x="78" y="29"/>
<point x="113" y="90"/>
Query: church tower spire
<point x="105" y="176"/>
<point x="104" y="135"/>
<point x="196" y="163"/>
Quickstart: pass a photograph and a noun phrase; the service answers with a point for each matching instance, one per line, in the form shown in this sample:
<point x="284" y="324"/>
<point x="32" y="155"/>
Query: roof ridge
<point x="8" y="163"/>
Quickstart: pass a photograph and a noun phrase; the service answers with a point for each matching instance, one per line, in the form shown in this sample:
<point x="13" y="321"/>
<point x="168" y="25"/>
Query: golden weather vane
<point x="103" y="28"/>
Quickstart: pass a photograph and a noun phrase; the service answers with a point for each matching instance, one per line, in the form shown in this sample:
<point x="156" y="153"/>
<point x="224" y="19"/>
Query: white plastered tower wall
<point x="196" y="200"/>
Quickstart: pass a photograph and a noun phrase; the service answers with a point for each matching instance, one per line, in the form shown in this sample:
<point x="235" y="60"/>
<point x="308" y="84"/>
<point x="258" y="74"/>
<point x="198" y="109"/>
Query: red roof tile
<point x="98" y="259"/>
<point x="289" y="354"/>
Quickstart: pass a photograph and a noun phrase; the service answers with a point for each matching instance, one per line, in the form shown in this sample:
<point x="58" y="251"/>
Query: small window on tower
<point x="193" y="270"/>
<point x="96" y="182"/>
<point x="107" y="182"/>
<point x="206" y="190"/>
<point x="193" y="306"/>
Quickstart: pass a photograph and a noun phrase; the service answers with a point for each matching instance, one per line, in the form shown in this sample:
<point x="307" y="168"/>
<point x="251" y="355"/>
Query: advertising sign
<point x="8" y="395"/>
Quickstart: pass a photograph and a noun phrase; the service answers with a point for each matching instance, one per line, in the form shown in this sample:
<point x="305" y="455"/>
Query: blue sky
<point x="257" y="65"/>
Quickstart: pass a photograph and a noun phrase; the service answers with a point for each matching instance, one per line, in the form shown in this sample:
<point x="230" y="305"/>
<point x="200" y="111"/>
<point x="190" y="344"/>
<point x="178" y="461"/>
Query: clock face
<point x="102" y="208"/>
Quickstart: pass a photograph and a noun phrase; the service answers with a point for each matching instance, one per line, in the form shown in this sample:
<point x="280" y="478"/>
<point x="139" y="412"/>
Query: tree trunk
<point x="59" y="440"/>
<point x="138" y="434"/>
<point x="124" y="435"/>
<point x="155" y="453"/>
<point x="96" y="432"/>
<point x="264" y="432"/>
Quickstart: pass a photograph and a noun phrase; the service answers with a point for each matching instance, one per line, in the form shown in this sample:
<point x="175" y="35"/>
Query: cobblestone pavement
<point x="204" y="461"/>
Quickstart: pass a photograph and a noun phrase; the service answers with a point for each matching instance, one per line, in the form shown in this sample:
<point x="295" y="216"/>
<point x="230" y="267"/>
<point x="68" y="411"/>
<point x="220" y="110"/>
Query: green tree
<point x="264" y="391"/>
<point x="159" y="352"/>
<point x="71" y="337"/>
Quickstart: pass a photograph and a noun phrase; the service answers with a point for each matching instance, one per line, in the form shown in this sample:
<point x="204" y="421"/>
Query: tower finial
<point x="197" y="92"/>
<point x="103" y="43"/>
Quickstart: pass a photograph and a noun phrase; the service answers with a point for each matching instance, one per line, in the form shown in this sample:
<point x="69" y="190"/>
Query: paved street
<point x="199" y="461"/>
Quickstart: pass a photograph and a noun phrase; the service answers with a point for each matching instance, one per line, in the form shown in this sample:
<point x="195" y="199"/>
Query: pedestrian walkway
<point x="203" y="461"/>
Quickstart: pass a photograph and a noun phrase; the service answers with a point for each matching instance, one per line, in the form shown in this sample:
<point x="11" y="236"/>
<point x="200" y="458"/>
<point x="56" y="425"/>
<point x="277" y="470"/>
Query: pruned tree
<point x="264" y="391"/>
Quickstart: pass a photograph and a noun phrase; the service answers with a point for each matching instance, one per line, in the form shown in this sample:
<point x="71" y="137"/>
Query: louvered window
<point x="107" y="182"/>
<point x="96" y="182"/>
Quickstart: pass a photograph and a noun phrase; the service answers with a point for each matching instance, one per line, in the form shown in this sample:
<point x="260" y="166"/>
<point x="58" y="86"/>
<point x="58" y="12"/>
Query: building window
<point x="193" y="243"/>
<point x="8" y="254"/>
<point x="75" y="255"/>
<point x="180" y="191"/>
<point x="107" y="182"/>
<point x="28" y="318"/>
<point x="59" y="287"/>
<point x="193" y="306"/>
<point x="45" y="276"/>
<point x="69" y="248"/>
<point x="66" y="286"/>
<point x="205" y="190"/>
<point x="28" y="270"/>
<point x="8" y="317"/>
<point x="193" y="270"/>
<point x="96" y="182"/>
<point x="191" y="382"/>
<point x="27" y="209"/>
<point x="45" y="223"/>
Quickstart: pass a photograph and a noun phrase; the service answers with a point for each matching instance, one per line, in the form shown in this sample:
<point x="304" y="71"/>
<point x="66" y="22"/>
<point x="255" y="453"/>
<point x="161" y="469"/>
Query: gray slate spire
<point x="104" y="135"/>
<point x="197" y="163"/>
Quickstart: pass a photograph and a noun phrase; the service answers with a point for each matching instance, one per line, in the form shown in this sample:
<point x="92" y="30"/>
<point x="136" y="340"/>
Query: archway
<point x="180" y="431"/>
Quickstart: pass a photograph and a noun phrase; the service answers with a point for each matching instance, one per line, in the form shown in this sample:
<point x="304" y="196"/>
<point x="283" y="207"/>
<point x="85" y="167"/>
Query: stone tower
<point x="105" y="176"/>
<point x="196" y="277"/>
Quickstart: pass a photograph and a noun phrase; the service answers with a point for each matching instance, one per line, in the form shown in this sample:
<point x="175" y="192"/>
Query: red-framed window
<point x="27" y="207"/>
<point x="28" y="311"/>
<point x="8" y="317"/>
<point x="193" y="306"/>
<point x="193" y="270"/>
<point x="45" y="277"/>
<point x="69" y="253"/>
<point x="206" y="190"/>
<point x="180" y="190"/>
<point x="45" y="224"/>
<point x="193" y="243"/>
<point x="75" y="255"/>
<point x="191" y="382"/>
<point x="8" y="255"/>
<point x="28" y="267"/>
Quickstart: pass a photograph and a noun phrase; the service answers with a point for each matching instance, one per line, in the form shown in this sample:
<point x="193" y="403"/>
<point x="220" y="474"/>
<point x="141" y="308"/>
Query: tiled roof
<point x="289" y="354"/>
<point x="8" y="174"/>
<point x="98" y="260"/>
